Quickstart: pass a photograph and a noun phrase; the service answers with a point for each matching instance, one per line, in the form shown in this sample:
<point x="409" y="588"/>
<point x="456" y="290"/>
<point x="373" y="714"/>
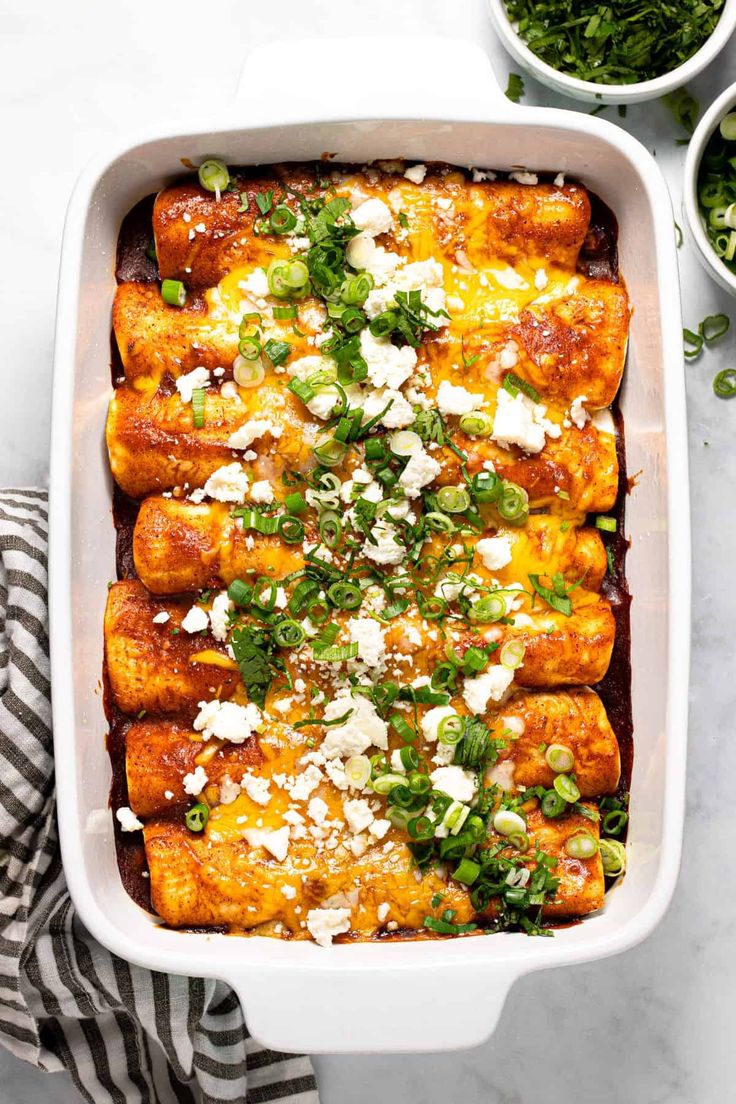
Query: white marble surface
<point x="653" y="1026"/>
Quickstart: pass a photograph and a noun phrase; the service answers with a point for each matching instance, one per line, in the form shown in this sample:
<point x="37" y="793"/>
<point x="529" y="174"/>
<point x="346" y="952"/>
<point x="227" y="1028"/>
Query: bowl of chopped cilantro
<point x="619" y="52"/>
<point x="709" y="189"/>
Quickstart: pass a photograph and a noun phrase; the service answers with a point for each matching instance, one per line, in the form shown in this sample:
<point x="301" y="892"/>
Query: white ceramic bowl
<point x="612" y="93"/>
<point x="707" y="256"/>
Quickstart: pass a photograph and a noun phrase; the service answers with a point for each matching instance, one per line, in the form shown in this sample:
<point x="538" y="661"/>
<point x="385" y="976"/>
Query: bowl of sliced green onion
<point x="709" y="193"/>
<point x="623" y="51"/>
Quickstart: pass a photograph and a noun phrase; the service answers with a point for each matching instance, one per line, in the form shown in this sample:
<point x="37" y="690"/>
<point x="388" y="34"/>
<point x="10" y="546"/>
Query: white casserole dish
<point x="374" y="997"/>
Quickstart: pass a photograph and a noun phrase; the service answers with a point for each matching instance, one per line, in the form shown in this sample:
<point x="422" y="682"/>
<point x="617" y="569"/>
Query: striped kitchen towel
<point x="125" y="1034"/>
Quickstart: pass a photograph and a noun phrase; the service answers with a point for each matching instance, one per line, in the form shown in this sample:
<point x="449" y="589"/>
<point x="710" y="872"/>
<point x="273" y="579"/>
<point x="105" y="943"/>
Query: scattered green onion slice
<point x="566" y="788"/>
<point x="581" y="845"/>
<point x="477" y="424"/>
<point x="173" y="292"/>
<point x="330" y="452"/>
<point x="613" y="857"/>
<point x="466" y="871"/>
<point x="508" y="823"/>
<point x="196" y="818"/>
<point x="489" y="608"/>
<point x="282" y="220"/>
<point x="405" y="442"/>
<point x="552" y="804"/>
<point x="450" y="729"/>
<point x="289" y="634"/>
<point x="288" y="279"/>
<point x="607" y="524"/>
<point x="249" y="348"/>
<point x="614" y="822"/>
<point x="402" y="727"/>
<point x="724" y="383"/>
<point x="438" y="523"/>
<point x="240" y="593"/>
<point x="487" y="486"/>
<point x="295" y="503"/>
<point x="330" y="528"/>
<point x="283" y="314"/>
<point x="512" y="654"/>
<point x="290" y="529"/>
<point x="214" y="176"/>
<point x="559" y="758"/>
<point x="198" y="394"/>
<point x="715" y="325"/>
<point x="248" y="373"/>
<point x="727" y="127"/>
<point x="513" y="504"/>
<point x="513" y="384"/>
<point x="520" y="840"/>
<point x="453" y="500"/>
<point x="358" y="771"/>
<point x="386" y="782"/>
<point x="345" y="596"/>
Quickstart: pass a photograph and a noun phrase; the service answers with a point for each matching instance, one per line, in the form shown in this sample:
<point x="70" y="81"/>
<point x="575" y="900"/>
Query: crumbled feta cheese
<point x="317" y="810"/>
<point x="226" y="720"/>
<point x="509" y="355"/>
<point x="559" y="180"/>
<point x="358" y="814"/>
<point x="540" y="279"/>
<point x="324" y="924"/>
<point x="456" y="400"/>
<point x="288" y="891"/>
<point x="306" y="783"/>
<point x="519" y="421"/>
<point x="480" y="174"/>
<point x="491" y="685"/>
<point x="426" y="277"/>
<point x="363" y="254"/>
<point x="219" y="620"/>
<point x="515" y="725"/>
<point x="399" y="414"/>
<point x="368" y="635"/>
<point x="261" y="492"/>
<point x="578" y="414"/>
<point x="507" y="277"/>
<point x="386" y="550"/>
<point x="277" y="842"/>
<point x="250" y="431"/>
<point x="228" y="484"/>
<point x="416" y="173"/>
<point x="195" y="781"/>
<point x="256" y="284"/>
<point x="256" y="787"/>
<point x="127" y="819"/>
<point x="379" y="828"/>
<point x="382" y="911"/>
<point x="161" y="618"/>
<point x="362" y="729"/>
<point x="229" y="790"/>
<point x="421" y="470"/>
<point x="524" y="177"/>
<point x="495" y="552"/>
<point x="373" y="216"/>
<point x="502" y="775"/>
<point x="198" y="377"/>
<point x="457" y="783"/>
<point x="196" y="620"/>
<point x="168" y="794"/>
<point x="389" y="365"/>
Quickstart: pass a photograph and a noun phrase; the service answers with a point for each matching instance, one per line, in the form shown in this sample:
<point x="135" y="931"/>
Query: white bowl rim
<point x="698" y="142"/>
<point x="657" y="86"/>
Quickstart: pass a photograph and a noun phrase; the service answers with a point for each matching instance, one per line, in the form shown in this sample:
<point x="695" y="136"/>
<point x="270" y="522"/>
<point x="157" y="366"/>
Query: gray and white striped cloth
<point x="124" y="1033"/>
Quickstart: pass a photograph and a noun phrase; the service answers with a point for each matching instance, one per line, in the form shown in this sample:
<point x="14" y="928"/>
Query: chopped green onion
<point x="581" y="845"/>
<point x="486" y="486"/>
<point x="514" y="91"/>
<point x="450" y="729"/>
<point x="302" y="390"/>
<point x="724" y="383"/>
<point x="277" y="351"/>
<point x="453" y="500"/>
<point x="248" y="373"/>
<point x="438" y="523"/>
<point x="356" y="289"/>
<point x="288" y="633"/>
<point x="508" y="823"/>
<point x="552" y="804"/>
<point x="714" y="326"/>
<point x="214" y="176"/>
<point x="345" y="596"/>
<point x="607" y="524"/>
<point x="405" y="442"/>
<point x="282" y="220"/>
<point x="613" y="857"/>
<point x="330" y="452"/>
<point x="512" y="654"/>
<point x="387" y="782"/>
<point x="265" y="593"/>
<point x="330" y="528"/>
<point x="409" y="757"/>
<point x="239" y="592"/>
<point x="290" y="529"/>
<point x="402" y="727"/>
<point x="514" y="384"/>
<point x="295" y="503"/>
<point x="336" y="653"/>
<point x="513" y="504"/>
<point x="249" y="348"/>
<point x="566" y="789"/>
<point x="288" y="279"/>
<point x="489" y="608"/>
<point x="477" y="424"/>
<point x="559" y="758"/>
<point x="614" y="822"/>
<point x="282" y="314"/>
<point x="196" y="818"/>
<point x="358" y="771"/>
<point x="466" y="871"/>
<point x="727" y="127"/>
<point x="198" y="394"/>
<point x="519" y="840"/>
<point x="173" y="292"/>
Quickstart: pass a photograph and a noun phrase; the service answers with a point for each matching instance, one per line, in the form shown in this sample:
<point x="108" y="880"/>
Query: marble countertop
<point x="653" y="1026"/>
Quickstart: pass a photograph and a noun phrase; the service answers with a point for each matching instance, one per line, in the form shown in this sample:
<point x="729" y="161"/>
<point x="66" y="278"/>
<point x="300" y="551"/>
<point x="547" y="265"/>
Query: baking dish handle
<point x="369" y="78"/>
<point x="399" y="1009"/>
